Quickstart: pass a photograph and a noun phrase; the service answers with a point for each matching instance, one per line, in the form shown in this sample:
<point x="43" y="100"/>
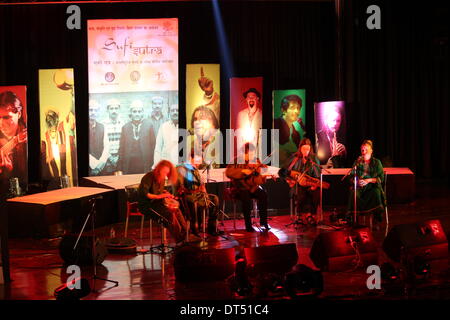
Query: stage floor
<point x="36" y="267"/>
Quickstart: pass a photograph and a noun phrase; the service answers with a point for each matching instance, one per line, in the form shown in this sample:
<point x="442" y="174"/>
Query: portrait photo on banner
<point x="13" y="141"/>
<point x="133" y="94"/>
<point x="58" y="128"/>
<point x="330" y="124"/>
<point x="124" y="128"/>
<point x="289" y="114"/>
<point x="246" y="111"/>
<point x="203" y="113"/>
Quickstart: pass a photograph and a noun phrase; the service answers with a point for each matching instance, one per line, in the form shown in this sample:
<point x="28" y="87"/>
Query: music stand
<point x="94" y="253"/>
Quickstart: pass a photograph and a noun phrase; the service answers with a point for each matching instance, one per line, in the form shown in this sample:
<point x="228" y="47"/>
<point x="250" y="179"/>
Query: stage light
<point x="421" y="266"/>
<point x="303" y="281"/>
<point x="239" y="282"/>
<point x="222" y="40"/>
<point x="63" y="292"/>
<point x="389" y="272"/>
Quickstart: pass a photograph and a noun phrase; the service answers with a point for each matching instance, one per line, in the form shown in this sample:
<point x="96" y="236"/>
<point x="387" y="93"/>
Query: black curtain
<point x="395" y="79"/>
<point x="290" y="44"/>
<point x="397" y="83"/>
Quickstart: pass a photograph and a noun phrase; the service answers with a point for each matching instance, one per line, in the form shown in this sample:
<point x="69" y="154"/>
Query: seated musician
<point x="304" y="164"/>
<point x="246" y="178"/>
<point x="193" y="191"/>
<point x="370" y="195"/>
<point x="158" y="203"/>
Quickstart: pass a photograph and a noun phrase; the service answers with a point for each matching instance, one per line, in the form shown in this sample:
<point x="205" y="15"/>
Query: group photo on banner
<point x="203" y="113"/>
<point x="289" y="118"/>
<point x="330" y="124"/>
<point x="13" y="140"/>
<point x="246" y="112"/>
<point x="58" y="128"/>
<point x="133" y="94"/>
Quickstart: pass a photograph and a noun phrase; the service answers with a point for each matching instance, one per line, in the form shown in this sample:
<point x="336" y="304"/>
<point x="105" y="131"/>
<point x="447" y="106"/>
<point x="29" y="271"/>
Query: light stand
<point x="94" y="253"/>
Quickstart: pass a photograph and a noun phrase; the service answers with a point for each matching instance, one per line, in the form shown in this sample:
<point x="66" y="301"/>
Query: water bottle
<point x="112" y="233"/>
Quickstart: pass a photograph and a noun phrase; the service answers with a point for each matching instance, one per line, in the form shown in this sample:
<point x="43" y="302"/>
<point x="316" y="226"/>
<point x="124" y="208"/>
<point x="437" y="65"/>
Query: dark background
<point x="395" y="80"/>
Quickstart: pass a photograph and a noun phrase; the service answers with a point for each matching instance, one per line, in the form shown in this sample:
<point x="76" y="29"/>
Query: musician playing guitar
<point x="247" y="179"/>
<point x="158" y="203"/>
<point x="193" y="191"/>
<point x="303" y="172"/>
<point x="13" y="135"/>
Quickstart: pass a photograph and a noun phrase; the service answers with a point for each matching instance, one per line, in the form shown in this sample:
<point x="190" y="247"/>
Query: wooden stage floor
<point x="36" y="267"/>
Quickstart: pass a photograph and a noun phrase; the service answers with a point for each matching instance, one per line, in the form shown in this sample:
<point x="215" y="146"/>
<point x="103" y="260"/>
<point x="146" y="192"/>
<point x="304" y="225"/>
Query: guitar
<point x="7" y="149"/>
<point x="307" y="181"/>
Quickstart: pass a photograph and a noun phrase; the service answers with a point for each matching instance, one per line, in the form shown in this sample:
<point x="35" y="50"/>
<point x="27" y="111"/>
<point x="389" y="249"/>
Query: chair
<point x="133" y="210"/>
<point x="229" y="195"/>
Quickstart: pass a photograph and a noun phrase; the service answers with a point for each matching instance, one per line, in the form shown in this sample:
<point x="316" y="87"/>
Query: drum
<point x="171" y="204"/>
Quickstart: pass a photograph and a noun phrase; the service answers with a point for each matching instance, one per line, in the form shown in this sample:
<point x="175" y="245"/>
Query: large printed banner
<point x="289" y="118"/>
<point x="13" y="140"/>
<point x="203" y="112"/>
<point x="330" y="133"/>
<point x="246" y="111"/>
<point x="58" y="128"/>
<point x="133" y="94"/>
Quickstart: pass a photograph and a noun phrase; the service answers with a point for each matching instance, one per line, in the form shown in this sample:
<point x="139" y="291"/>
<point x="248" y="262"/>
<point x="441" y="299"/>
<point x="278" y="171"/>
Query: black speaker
<point x="194" y="264"/>
<point x="83" y="254"/>
<point x="336" y="250"/>
<point x="278" y="258"/>
<point x="424" y="239"/>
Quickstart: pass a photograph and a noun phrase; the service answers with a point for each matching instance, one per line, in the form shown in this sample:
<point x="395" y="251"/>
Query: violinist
<point x="304" y="162"/>
<point x="247" y="179"/>
<point x="193" y="191"/>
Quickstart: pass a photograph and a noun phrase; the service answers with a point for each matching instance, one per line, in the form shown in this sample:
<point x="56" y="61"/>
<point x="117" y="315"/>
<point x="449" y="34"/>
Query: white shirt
<point x="166" y="147"/>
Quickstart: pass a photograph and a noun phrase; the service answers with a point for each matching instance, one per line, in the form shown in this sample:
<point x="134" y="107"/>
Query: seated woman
<point x="155" y="201"/>
<point x="369" y="194"/>
<point x="306" y="191"/>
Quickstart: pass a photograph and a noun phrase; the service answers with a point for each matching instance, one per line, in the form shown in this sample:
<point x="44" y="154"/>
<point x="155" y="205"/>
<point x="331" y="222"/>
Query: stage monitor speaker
<point x="278" y="258"/>
<point x="193" y="264"/>
<point x="83" y="254"/>
<point x="424" y="239"/>
<point x="336" y="250"/>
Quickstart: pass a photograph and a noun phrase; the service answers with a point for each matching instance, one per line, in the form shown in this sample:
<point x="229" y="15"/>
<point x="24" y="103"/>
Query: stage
<point x="36" y="267"/>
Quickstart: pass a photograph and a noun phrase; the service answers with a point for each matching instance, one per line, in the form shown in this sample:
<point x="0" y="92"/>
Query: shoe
<point x="249" y="229"/>
<point x="265" y="226"/>
<point x="215" y="233"/>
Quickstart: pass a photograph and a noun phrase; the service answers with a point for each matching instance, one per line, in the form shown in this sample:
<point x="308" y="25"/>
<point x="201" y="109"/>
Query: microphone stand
<point x="94" y="253"/>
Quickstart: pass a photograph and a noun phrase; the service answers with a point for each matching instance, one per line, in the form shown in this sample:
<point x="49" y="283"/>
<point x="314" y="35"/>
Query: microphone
<point x="96" y="198"/>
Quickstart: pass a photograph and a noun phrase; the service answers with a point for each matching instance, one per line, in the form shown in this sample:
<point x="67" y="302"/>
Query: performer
<point x="191" y="187"/>
<point x="247" y="179"/>
<point x="305" y="164"/>
<point x="370" y="198"/>
<point x="205" y="136"/>
<point x="158" y="203"/>
<point x="329" y="140"/>
<point x="13" y="135"/>
<point x="290" y="125"/>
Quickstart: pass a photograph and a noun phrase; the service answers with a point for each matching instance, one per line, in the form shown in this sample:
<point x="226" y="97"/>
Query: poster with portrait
<point x="203" y="112"/>
<point x="246" y="111"/>
<point x="133" y="94"/>
<point x="58" y="128"/>
<point x="330" y="123"/>
<point x="289" y="114"/>
<point x="13" y="140"/>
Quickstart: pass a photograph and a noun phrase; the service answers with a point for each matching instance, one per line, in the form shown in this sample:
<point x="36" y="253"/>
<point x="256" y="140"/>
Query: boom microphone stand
<point x="94" y="253"/>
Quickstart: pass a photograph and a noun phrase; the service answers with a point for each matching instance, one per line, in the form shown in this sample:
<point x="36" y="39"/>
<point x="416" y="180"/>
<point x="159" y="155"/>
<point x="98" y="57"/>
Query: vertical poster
<point x="289" y="118"/>
<point x="58" y="128"/>
<point x="13" y="140"/>
<point x="203" y="112"/>
<point x="133" y="94"/>
<point x="246" y="111"/>
<point x="330" y="126"/>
